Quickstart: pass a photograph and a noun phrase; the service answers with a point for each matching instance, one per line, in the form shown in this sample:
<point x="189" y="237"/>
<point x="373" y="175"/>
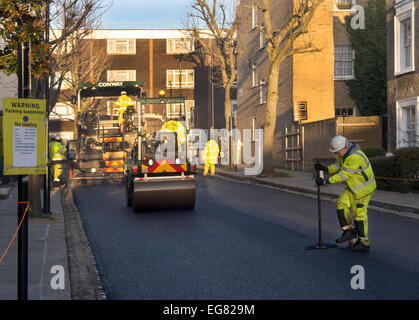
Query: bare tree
<point x="283" y="40"/>
<point x="70" y="62"/>
<point x="76" y="64"/>
<point x="213" y="26"/>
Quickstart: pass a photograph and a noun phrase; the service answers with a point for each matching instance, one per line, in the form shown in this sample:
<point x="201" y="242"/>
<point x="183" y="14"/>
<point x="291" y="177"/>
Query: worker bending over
<point x="353" y="168"/>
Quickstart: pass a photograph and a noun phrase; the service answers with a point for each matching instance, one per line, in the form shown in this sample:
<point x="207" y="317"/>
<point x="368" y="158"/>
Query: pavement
<point x="47" y="250"/>
<point x="301" y="182"/>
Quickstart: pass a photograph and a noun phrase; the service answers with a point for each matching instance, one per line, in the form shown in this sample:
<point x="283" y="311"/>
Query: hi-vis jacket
<point x="57" y="151"/>
<point x="175" y="127"/>
<point x="123" y="102"/>
<point x="355" y="170"/>
<point x="211" y="152"/>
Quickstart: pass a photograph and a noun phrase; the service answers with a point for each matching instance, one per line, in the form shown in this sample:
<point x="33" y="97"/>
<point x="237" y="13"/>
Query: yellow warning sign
<point x="24" y="140"/>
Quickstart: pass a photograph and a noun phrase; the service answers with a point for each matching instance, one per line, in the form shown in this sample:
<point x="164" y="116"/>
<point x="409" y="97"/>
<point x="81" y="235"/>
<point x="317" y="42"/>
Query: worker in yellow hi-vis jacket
<point x="121" y="105"/>
<point x="211" y="156"/>
<point x="57" y="155"/>
<point x="353" y="168"/>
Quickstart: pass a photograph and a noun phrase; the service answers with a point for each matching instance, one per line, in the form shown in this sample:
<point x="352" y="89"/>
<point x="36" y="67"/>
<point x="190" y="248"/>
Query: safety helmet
<point x="123" y="92"/>
<point x="338" y="143"/>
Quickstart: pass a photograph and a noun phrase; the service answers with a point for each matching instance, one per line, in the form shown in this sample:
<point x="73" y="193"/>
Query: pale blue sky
<point x="145" y="14"/>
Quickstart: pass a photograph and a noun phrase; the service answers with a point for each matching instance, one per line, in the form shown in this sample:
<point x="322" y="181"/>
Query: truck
<point x="101" y="145"/>
<point x="153" y="183"/>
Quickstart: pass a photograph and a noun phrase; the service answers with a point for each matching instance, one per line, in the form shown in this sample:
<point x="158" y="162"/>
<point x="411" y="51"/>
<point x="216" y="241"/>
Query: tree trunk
<point x="270" y="120"/>
<point x="227" y="114"/>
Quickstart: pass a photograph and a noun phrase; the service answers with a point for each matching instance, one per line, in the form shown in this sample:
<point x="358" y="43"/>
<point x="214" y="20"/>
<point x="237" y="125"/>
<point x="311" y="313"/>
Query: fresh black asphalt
<point x="242" y="242"/>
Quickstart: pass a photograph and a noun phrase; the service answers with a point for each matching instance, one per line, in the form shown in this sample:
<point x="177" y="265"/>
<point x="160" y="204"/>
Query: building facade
<point x="316" y="78"/>
<point x="161" y="59"/>
<point x="402" y="73"/>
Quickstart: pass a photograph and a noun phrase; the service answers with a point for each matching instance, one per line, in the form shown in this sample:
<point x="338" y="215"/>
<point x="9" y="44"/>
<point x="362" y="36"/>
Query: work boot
<point x="359" y="247"/>
<point x="347" y="235"/>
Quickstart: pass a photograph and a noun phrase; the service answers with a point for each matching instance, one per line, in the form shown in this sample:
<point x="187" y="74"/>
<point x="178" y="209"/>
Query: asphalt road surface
<point x="242" y="242"/>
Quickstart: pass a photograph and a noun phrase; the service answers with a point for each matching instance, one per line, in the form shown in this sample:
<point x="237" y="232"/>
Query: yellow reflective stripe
<point x="363" y="185"/>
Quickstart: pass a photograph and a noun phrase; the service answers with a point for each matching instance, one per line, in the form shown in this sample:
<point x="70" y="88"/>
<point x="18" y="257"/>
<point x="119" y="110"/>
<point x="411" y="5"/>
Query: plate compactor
<point x="153" y="183"/>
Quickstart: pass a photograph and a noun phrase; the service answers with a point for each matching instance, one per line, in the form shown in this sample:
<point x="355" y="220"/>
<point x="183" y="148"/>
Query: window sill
<point x="121" y="54"/>
<point x="342" y="78"/>
<point x="399" y="73"/>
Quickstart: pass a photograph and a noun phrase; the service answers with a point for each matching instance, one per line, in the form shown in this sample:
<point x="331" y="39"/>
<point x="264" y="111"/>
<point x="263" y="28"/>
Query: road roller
<point x="158" y="175"/>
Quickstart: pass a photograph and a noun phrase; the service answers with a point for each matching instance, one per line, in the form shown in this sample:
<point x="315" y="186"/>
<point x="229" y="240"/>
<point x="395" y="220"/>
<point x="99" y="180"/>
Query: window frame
<point x="254" y="75"/>
<point x="134" y="72"/>
<point x="176" y="84"/>
<point x="253" y="17"/>
<point x="404" y="11"/>
<point x="111" y="49"/>
<point x="336" y="8"/>
<point x="343" y="77"/>
<point x="56" y="115"/>
<point x="401" y="128"/>
<point x="262" y="91"/>
<point x="190" y="48"/>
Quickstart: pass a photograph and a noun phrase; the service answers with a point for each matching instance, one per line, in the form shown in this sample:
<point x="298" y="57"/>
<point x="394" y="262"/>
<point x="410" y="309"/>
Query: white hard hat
<point x="338" y="143"/>
<point x="123" y="92"/>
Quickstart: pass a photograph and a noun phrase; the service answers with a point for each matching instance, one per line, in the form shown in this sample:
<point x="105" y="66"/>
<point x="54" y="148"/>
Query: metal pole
<point x="22" y="279"/>
<point x="22" y="265"/>
<point x="320" y="245"/>
<point x="47" y="189"/>
<point x="319" y="208"/>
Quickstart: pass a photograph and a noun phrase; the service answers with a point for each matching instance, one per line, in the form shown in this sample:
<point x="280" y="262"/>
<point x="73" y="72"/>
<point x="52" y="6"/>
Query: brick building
<point x="161" y="59"/>
<point x="317" y="78"/>
<point x="402" y="73"/>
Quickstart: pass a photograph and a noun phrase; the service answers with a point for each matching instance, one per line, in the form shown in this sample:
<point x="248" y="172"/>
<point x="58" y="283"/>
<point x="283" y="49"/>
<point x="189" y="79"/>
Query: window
<point x="407" y="123"/>
<point x="409" y="118"/>
<point x="254" y="78"/>
<point x="262" y="92"/>
<point x="121" y="75"/>
<point x="404" y="35"/>
<point x="174" y="46"/>
<point x="254" y="17"/>
<point x="254" y="127"/>
<point x="344" y="111"/>
<point x="344" y="68"/>
<point x="121" y="46"/>
<point x="180" y="79"/>
<point x="262" y="37"/>
<point x="174" y="109"/>
<point x="344" y="5"/>
<point x="62" y="111"/>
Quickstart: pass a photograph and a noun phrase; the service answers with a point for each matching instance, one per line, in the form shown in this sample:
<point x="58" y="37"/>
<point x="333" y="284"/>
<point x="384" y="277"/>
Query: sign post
<point x="25" y="152"/>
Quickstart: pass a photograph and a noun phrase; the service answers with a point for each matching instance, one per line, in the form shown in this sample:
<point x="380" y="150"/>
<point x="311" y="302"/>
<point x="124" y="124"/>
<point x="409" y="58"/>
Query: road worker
<point x="57" y="155"/>
<point x="178" y="128"/>
<point x="211" y="156"/>
<point x="353" y="168"/>
<point x="121" y="105"/>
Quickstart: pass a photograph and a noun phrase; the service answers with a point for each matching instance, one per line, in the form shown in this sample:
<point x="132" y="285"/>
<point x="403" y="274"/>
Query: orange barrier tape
<point x="17" y="230"/>
<point x="399" y="179"/>
<point x="382" y="178"/>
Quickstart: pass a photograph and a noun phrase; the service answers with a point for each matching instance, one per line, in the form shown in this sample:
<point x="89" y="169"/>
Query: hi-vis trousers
<point x="359" y="207"/>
